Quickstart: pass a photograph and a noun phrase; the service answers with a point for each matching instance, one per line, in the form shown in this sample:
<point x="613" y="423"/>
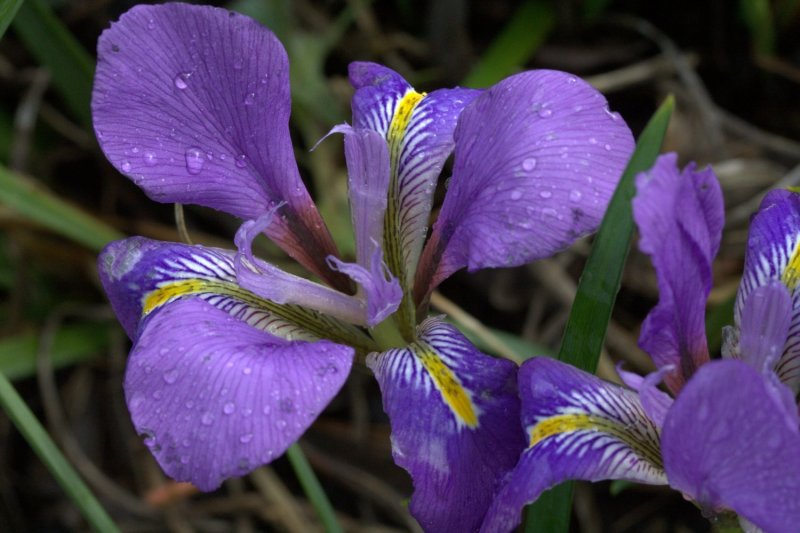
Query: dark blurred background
<point x="734" y="67"/>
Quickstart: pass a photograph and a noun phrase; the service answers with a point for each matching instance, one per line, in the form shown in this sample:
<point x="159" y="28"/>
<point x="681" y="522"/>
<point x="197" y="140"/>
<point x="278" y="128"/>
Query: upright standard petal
<point x="455" y="424"/>
<point x="765" y="320"/>
<point x="418" y="129"/>
<point x="215" y="398"/>
<point x="141" y="275"/>
<point x="730" y="447"/>
<point x="537" y="158"/>
<point x="579" y="427"/>
<point x="773" y="254"/>
<point x="680" y="217"/>
<point x="192" y="103"/>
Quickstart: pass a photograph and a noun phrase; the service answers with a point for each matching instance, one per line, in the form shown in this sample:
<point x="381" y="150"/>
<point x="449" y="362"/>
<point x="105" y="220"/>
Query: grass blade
<point x="71" y="344"/>
<point x="312" y="488"/>
<point x="40" y="441"/>
<point x="597" y="291"/>
<point x="8" y="10"/>
<point x="526" y="31"/>
<point x="38" y="204"/>
<point x="70" y="66"/>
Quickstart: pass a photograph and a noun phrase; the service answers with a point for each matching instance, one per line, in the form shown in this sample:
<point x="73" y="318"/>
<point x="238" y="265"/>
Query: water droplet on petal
<point x="607" y="147"/>
<point x="126" y="166"/>
<point x="516" y="194"/>
<point x="238" y="63"/>
<point x="572" y="79"/>
<point x="549" y="213"/>
<point x="157" y="395"/>
<point x="249" y="98"/>
<point x="247" y="437"/>
<point x="247" y="371"/>
<point x="241" y="161"/>
<point x="185" y="459"/>
<point x="171" y="376"/>
<point x="207" y="419"/>
<point x="150" y="159"/>
<point x="529" y="164"/>
<point x="194" y="160"/>
<point x="575" y="195"/>
<point x="592" y="140"/>
<point x="228" y="408"/>
<point x="267" y="409"/>
<point x="151" y="24"/>
<point x="545" y="112"/>
<point x="544" y="194"/>
<point x="181" y="80"/>
<point x="189" y="404"/>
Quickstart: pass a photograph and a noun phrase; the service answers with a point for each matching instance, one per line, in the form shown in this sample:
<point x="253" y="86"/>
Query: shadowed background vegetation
<point x="733" y="66"/>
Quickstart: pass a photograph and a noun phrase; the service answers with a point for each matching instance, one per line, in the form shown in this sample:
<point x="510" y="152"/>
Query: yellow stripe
<point x="448" y="384"/>
<point x="644" y="443"/>
<point x="175" y="289"/>
<point x="401" y="119"/>
<point x="791" y="274"/>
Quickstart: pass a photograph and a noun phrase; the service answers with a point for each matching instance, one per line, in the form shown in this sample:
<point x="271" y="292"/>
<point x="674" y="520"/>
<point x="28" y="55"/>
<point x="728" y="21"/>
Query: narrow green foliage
<point x="71" y="344"/>
<point x="597" y="291"/>
<point x="8" y="10"/>
<point x="757" y="15"/>
<point x="40" y="205"/>
<point x="312" y="488"/>
<point x="515" y="45"/>
<point x="70" y="66"/>
<point x="718" y="317"/>
<point x="40" y="441"/>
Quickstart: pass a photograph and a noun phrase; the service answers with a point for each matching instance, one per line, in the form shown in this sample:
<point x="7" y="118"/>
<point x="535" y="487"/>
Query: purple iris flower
<point x="729" y="440"/>
<point x="234" y="358"/>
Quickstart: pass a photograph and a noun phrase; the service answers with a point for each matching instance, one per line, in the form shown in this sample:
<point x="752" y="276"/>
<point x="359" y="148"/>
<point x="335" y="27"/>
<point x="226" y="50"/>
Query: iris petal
<point x="727" y="444"/>
<point x="773" y="254"/>
<point x="192" y="103"/>
<point x="215" y="398"/>
<point x="579" y="427"/>
<point x="418" y="129"/>
<point x="680" y="217"/>
<point x="141" y="275"/>
<point x="454" y="414"/>
<point x="537" y="158"/>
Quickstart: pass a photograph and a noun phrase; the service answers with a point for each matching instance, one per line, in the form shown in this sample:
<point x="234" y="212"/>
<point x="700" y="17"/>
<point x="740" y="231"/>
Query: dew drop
<point x="575" y="195"/>
<point x="151" y="24"/>
<point x="171" y="376"/>
<point x="207" y="419"/>
<point x="150" y="159"/>
<point x="545" y="112"/>
<point x="241" y="161"/>
<point x="592" y="140"/>
<point x="249" y="98"/>
<point x="607" y="147"/>
<point x="126" y="166"/>
<point x="157" y="395"/>
<point x="228" y="408"/>
<point x="238" y="63"/>
<point x="529" y="164"/>
<point x="185" y="459"/>
<point x="549" y="213"/>
<point x="545" y="194"/>
<point x="571" y="80"/>
<point x="247" y="371"/>
<point x="267" y="409"/>
<point x="181" y="80"/>
<point x="516" y="194"/>
<point x="189" y="404"/>
<point x="247" y="437"/>
<point x="194" y="160"/>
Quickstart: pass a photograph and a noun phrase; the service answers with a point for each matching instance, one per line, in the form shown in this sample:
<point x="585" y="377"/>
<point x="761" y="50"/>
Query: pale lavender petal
<point x="455" y="424"/>
<point x="192" y="103"/>
<point x="680" y="216"/>
<point x="279" y="286"/>
<point x="765" y="320"/>
<point x="216" y="398"/>
<point x="655" y="402"/>
<point x="773" y="254"/>
<point x="726" y="444"/>
<point x="537" y="158"/>
<point x="141" y="275"/>
<point x="381" y="289"/>
<point x="579" y="427"/>
<point x="418" y="129"/>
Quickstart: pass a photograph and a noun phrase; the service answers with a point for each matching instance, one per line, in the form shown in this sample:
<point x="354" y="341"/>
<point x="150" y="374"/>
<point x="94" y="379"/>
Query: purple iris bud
<point x="729" y="436"/>
<point x="233" y="358"/>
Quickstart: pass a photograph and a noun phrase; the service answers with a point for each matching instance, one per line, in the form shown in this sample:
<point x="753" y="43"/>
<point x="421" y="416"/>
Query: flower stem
<point x="313" y="489"/>
<point x="387" y="335"/>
